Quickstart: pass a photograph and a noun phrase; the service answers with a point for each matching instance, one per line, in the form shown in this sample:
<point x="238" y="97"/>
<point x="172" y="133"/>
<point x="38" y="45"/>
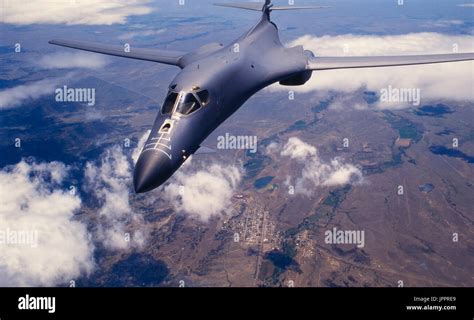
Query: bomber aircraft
<point x="215" y="80"/>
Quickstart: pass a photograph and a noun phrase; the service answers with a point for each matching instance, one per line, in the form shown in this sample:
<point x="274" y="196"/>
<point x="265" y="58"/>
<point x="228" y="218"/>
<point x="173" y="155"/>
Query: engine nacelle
<point x="297" y="79"/>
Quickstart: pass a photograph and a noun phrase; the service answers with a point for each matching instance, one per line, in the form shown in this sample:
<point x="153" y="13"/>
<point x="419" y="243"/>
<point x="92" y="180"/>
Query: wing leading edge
<point x="160" y="56"/>
<point x="328" y="63"/>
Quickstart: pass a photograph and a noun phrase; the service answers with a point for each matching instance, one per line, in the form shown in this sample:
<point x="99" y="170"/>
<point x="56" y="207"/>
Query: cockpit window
<point x="188" y="104"/>
<point x="203" y="96"/>
<point x="169" y="102"/>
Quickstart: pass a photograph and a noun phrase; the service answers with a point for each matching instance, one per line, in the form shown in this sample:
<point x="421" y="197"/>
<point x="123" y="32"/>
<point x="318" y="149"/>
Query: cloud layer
<point x="88" y="12"/>
<point x="141" y="143"/>
<point x="14" y="97"/>
<point x="39" y="203"/>
<point x="65" y="60"/>
<point x="440" y="81"/>
<point x="64" y="247"/>
<point x="141" y="34"/>
<point x="203" y="193"/>
<point x="316" y="172"/>
<point x="109" y="182"/>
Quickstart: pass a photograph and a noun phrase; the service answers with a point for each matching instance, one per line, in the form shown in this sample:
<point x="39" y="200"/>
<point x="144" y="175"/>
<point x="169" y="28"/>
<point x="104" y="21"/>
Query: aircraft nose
<point x="151" y="170"/>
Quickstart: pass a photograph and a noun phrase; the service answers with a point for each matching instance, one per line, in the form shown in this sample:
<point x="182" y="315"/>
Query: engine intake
<point x="297" y="79"/>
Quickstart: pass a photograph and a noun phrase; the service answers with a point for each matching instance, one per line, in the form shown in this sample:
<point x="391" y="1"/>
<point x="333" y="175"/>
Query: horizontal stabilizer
<point x="255" y="6"/>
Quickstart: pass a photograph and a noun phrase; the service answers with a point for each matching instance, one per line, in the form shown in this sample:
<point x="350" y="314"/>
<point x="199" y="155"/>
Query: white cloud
<point x="93" y="114"/>
<point x="442" y="23"/>
<point x="63" y="60"/>
<point x="329" y="174"/>
<point x="88" y="12"/>
<point x="272" y="147"/>
<point x="297" y="149"/>
<point x="39" y="204"/>
<point x="466" y="5"/>
<point x="439" y="81"/>
<point x="349" y="100"/>
<point x="109" y="182"/>
<point x="203" y="193"/>
<point x="317" y="172"/>
<point x="141" y="33"/>
<point x="14" y="97"/>
<point x="141" y="143"/>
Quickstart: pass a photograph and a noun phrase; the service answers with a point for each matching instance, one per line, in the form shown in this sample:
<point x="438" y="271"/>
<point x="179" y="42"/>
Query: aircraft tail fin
<point x="264" y="6"/>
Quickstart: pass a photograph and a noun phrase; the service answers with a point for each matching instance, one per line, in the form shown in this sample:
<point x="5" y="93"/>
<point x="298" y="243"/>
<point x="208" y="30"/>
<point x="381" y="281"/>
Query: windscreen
<point x="203" y="96"/>
<point x="188" y="104"/>
<point x="169" y="102"/>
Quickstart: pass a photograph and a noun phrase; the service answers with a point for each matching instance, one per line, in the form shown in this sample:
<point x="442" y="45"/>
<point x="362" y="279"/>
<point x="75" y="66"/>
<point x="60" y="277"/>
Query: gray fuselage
<point x="231" y="74"/>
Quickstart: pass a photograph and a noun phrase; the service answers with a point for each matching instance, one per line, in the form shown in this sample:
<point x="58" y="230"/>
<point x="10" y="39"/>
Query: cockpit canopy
<point x="184" y="102"/>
